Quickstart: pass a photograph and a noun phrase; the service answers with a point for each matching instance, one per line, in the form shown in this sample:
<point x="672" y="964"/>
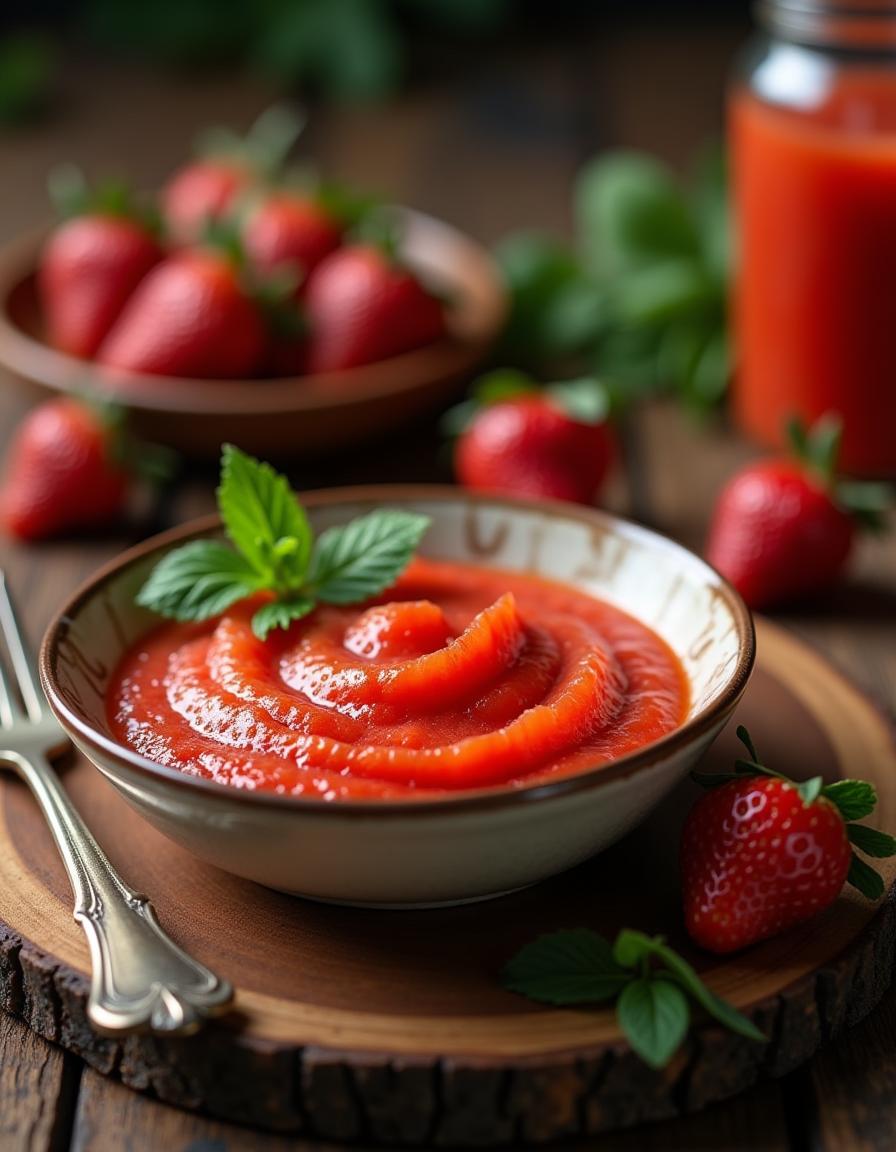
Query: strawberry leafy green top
<point x="853" y="799"/>
<point x="818" y="449"/>
<point x="272" y="549"/>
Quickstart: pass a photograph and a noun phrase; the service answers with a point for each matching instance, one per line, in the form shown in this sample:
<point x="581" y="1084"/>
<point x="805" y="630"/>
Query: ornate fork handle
<point x="141" y="979"/>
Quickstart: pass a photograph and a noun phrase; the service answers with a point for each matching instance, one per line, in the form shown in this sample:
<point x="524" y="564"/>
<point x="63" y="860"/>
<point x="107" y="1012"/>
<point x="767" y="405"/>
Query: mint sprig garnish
<point x="853" y="799"/>
<point x="652" y="985"/>
<point x="272" y="549"/>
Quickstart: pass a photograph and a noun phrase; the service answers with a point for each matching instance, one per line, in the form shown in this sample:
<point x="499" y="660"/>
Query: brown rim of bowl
<point x="448" y="357"/>
<point x="498" y="795"/>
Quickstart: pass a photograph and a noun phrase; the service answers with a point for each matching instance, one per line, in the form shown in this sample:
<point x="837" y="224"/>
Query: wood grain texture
<point x="107" y="1111"/>
<point x="855" y="1085"/>
<point x="36" y="1091"/>
<point x="417" y="1042"/>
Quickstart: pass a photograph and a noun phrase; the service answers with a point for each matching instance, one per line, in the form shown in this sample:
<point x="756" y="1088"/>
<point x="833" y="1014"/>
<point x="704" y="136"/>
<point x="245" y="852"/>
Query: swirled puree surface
<point x="458" y="677"/>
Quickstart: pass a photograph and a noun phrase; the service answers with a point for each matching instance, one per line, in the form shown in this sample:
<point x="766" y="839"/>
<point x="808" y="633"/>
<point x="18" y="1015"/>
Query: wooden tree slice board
<point x="392" y="1026"/>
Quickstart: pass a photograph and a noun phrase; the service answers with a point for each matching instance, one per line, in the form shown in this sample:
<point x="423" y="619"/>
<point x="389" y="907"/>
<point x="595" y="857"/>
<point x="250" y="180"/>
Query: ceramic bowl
<point x="278" y="417"/>
<point x="469" y="845"/>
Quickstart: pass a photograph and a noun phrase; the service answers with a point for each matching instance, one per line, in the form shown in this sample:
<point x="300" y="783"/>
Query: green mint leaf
<point x="361" y="559"/>
<point x="632" y="947"/>
<point x="863" y="877"/>
<point x="260" y="510"/>
<point x="537" y="270"/>
<point x="665" y="292"/>
<point x="871" y="841"/>
<point x="280" y="614"/>
<point x="630" y="213"/>
<point x="198" y="581"/>
<point x="854" y="799"/>
<point x="569" y="967"/>
<point x="810" y="790"/>
<point x="709" y="202"/>
<point x="654" y="1016"/>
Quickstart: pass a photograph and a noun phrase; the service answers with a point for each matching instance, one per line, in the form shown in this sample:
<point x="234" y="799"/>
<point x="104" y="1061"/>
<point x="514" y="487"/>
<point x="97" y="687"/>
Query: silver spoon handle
<point x="141" y="980"/>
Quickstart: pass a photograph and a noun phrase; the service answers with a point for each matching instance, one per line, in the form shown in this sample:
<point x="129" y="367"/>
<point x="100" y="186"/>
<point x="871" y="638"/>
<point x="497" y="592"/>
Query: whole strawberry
<point x="785" y="527"/>
<point x="287" y="231"/>
<point x="361" y="306"/>
<point x="63" y="471"/>
<point x="206" y="189"/>
<point x="89" y="266"/>
<point x="552" y="443"/>
<point x="191" y="316"/>
<point x="760" y="853"/>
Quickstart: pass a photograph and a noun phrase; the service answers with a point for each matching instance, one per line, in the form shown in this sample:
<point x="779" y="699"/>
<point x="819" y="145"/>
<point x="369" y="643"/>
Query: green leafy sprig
<point x="640" y="298"/>
<point x="273" y="549"/>
<point x="853" y="799"/>
<point x="651" y="984"/>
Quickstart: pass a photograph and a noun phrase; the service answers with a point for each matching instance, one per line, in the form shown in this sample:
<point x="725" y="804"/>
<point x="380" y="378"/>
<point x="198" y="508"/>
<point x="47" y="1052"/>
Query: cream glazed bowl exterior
<point x="472" y="844"/>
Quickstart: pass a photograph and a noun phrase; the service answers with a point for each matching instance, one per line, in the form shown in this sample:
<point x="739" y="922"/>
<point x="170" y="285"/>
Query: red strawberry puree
<point x="458" y="677"/>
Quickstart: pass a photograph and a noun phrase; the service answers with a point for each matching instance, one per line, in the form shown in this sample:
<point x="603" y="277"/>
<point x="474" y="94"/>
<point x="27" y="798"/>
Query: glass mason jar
<point x="812" y="135"/>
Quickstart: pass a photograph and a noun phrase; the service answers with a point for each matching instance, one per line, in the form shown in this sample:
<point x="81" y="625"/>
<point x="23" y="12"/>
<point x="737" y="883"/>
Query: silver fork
<point x="141" y="980"/>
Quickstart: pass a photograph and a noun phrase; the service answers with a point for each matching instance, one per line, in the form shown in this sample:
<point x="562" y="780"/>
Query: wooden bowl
<point x="441" y="849"/>
<point x="277" y="416"/>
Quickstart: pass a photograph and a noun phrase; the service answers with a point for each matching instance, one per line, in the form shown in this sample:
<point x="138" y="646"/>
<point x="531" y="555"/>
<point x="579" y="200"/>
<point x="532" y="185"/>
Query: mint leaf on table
<point x="652" y="983"/>
<point x="654" y="1015"/>
<point x="573" y="967"/>
<point x="273" y="551"/>
<point x="633" y="948"/>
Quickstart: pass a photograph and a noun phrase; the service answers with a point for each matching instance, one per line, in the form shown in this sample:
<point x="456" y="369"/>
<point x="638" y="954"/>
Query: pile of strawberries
<point x="231" y="273"/>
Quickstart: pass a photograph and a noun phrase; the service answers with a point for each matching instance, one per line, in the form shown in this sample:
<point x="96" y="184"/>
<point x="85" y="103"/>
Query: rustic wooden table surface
<point x="492" y="151"/>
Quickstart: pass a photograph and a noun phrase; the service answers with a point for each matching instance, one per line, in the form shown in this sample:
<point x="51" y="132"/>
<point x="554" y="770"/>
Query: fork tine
<point x="8" y="707"/>
<point x="26" y="675"/>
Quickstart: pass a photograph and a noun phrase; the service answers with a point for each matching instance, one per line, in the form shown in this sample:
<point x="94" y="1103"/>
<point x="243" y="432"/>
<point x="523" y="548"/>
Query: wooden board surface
<point x="393" y="1026"/>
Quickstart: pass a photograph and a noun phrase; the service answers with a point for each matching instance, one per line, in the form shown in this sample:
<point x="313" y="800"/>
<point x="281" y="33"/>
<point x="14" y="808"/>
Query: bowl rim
<point x="448" y="357"/>
<point x="469" y="799"/>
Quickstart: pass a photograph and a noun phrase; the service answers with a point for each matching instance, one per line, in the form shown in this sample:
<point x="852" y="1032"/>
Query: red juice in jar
<point x="812" y="135"/>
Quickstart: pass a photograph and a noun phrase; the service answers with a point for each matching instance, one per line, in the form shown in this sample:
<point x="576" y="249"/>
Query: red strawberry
<point x="199" y="193"/>
<point x="760" y="853"/>
<point x="286" y="231"/>
<point x="785" y="527"/>
<point x="205" y="190"/>
<point x="89" y="266"/>
<point x="189" y="317"/>
<point x="553" y="442"/>
<point x="61" y="472"/>
<point x="361" y="307"/>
